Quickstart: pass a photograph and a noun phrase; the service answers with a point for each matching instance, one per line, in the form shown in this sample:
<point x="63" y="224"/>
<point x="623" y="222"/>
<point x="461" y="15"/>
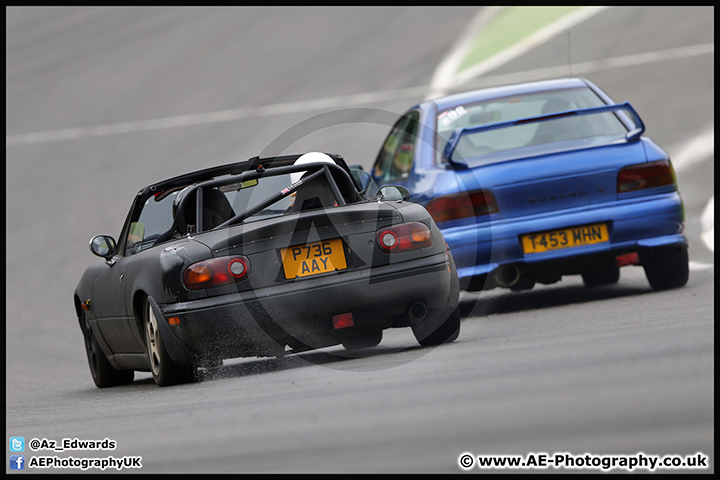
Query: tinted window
<point x="395" y="160"/>
<point x="523" y="106"/>
<point x="155" y="218"/>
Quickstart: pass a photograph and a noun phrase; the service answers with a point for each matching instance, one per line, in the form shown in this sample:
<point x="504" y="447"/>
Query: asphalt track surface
<point x="119" y="98"/>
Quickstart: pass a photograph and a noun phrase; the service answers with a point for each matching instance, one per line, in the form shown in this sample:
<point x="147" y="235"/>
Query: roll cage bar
<point x="233" y="170"/>
<point x="318" y="169"/>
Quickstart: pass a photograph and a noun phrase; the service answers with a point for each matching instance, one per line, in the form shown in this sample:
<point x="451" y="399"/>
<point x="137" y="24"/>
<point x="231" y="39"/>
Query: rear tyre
<point x="524" y="283"/>
<point x="666" y="267"/>
<point x="164" y="370"/>
<point x="429" y="333"/>
<point x="366" y="340"/>
<point x="436" y="329"/>
<point x="605" y="274"/>
<point x="103" y="374"/>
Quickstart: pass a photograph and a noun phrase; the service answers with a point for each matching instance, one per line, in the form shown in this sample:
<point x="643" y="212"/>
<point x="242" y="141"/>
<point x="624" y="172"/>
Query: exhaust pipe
<point x="417" y="312"/>
<point x="507" y="275"/>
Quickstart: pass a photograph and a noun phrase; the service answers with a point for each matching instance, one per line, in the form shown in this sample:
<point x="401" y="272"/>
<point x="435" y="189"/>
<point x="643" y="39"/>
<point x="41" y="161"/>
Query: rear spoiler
<point x="632" y="136"/>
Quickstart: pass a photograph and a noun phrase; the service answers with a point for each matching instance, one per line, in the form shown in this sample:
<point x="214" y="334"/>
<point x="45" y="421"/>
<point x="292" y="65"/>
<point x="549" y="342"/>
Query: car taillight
<point x="645" y="175"/>
<point x="404" y="237"/>
<point x="216" y="271"/>
<point x="462" y="205"/>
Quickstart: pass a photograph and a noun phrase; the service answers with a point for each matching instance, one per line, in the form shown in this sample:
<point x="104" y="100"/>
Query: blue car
<point x="535" y="181"/>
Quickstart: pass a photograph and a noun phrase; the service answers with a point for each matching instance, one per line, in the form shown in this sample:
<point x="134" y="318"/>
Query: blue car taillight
<point x="645" y="175"/>
<point x="216" y="271"/>
<point x="462" y="205"/>
<point x="404" y="237"/>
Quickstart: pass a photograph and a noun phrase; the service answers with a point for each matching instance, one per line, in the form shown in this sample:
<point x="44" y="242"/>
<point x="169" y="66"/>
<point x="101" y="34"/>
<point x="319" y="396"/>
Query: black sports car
<point x="264" y="257"/>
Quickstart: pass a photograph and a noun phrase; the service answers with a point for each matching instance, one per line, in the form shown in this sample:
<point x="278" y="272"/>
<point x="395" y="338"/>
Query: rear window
<point x="600" y="127"/>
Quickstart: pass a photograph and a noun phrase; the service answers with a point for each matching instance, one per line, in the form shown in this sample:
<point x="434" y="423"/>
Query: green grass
<point x="508" y="27"/>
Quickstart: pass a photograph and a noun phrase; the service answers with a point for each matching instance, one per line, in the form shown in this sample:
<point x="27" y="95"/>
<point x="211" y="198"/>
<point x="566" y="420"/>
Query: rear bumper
<point x="634" y="224"/>
<point x="263" y="321"/>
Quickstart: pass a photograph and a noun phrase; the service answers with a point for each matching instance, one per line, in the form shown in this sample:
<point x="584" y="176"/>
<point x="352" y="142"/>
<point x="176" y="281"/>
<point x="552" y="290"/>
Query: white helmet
<point x="310" y="157"/>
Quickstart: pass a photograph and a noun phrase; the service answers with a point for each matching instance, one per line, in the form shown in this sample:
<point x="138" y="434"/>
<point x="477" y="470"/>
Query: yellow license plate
<point x="565" y="238"/>
<point x="313" y="258"/>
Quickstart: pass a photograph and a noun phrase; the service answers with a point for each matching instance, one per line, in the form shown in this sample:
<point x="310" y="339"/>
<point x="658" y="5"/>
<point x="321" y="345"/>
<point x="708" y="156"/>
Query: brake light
<point x="631" y="258"/>
<point x="344" y="320"/>
<point x="404" y="237"/>
<point x="216" y="271"/>
<point x="462" y="205"/>
<point x="645" y="175"/>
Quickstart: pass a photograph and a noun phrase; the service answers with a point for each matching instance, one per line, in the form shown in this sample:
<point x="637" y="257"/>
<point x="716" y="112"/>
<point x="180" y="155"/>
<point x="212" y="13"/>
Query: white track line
<point x="445" y="73"/>
<point x="214" y="117"/>
<point x="707" y="219"/>
<point x="690" y="153"/>
<point x="527" y="44"/>
<point x="696" y="150"/>
<point x="75" y="133"/>
<point x="583" y="68"/>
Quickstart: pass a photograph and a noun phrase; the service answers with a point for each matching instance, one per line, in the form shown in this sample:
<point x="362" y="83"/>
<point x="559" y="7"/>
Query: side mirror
<point x="103" y="246"/>
<point x="393" y="192"/>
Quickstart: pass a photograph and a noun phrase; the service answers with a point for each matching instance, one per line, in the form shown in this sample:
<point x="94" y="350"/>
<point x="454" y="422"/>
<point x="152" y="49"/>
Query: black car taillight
<point x="404" y="237"/>
<point x="462" y="205"/>
<point x="645" y="175"/>
<point x="216" y="271"/>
